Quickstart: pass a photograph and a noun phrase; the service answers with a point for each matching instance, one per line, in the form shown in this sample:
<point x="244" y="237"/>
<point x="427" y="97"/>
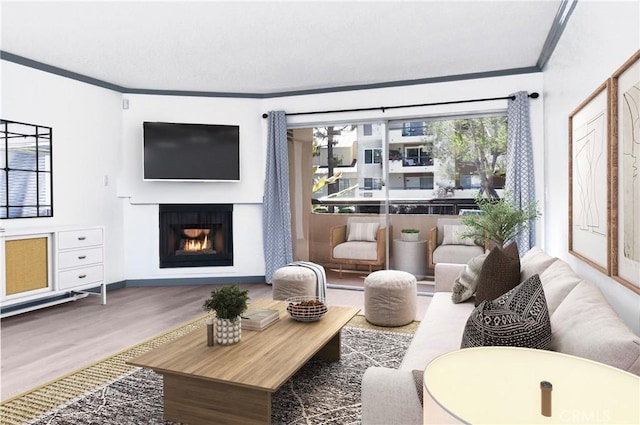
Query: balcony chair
<point x="361" y="241"/>
<point x="445" y="245"/>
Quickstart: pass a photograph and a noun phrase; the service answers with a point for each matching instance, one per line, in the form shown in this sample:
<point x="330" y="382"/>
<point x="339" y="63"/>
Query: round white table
<point x="501" y="385"/>
<point x="410" y="256"/>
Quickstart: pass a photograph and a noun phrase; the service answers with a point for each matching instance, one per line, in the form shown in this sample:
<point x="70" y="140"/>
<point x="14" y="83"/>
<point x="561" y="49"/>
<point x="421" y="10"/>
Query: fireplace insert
<point x="196" y="235"/>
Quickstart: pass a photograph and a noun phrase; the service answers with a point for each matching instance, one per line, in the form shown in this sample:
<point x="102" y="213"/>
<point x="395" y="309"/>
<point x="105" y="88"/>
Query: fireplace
<point x="196" y="235"/>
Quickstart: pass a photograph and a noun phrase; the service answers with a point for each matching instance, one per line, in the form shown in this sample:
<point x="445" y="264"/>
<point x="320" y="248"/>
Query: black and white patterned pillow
<point x="519" y="318"/>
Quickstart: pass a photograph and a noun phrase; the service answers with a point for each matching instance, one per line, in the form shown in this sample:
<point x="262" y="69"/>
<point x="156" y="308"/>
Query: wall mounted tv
<point x="191" y="152"/>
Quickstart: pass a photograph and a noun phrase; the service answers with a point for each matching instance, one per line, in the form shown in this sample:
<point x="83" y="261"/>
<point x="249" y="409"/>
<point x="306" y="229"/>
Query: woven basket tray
<point x="306" y="309"/>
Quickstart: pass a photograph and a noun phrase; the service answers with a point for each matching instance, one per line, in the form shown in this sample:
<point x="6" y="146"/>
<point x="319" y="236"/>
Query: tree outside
<point x="470" y="147"/>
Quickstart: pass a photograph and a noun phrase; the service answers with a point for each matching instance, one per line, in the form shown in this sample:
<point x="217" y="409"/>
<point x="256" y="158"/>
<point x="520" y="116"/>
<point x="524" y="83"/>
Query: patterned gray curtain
<point x="520" y="177"/>
<point x="276" y="214"/>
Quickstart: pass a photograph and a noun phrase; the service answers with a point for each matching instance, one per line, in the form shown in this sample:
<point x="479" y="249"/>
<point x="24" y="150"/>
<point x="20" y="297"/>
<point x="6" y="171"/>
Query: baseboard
<point x="135" y="283"/>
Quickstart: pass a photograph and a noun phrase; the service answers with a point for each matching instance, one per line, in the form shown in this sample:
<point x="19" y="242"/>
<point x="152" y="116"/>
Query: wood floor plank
<point x="42" y="345"/>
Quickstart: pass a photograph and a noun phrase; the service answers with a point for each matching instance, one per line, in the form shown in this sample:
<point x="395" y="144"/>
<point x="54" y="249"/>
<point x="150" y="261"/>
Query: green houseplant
<point x="229" y="303"/>
<point x="409" y="235"/>
<point x="499" y="221"/>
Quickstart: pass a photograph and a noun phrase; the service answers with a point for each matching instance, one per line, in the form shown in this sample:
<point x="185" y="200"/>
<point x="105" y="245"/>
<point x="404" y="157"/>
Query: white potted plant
<point x="410" y="235"/>
<point x="229" y="303"/>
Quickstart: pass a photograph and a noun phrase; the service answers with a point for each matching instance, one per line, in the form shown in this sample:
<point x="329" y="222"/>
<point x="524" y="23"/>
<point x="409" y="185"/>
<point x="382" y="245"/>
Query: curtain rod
<point x="533" y="95"/>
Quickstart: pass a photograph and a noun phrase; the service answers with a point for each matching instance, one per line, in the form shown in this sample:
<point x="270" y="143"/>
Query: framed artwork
<point x="589" y="174"/>
<point x="625" y="179"/>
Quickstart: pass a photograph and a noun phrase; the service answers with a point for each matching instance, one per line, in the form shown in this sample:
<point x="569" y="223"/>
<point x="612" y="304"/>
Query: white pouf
<point x="390" y="298"/>
<point x="293" y="281"/>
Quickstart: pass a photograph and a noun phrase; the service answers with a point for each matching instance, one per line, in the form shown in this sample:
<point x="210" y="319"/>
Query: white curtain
<point x="520" y="177"/>
<point x="276" y="213"/>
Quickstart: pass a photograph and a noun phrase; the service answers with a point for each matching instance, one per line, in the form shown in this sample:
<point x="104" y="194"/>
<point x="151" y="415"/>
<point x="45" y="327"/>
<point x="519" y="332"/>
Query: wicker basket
<point x="306" y="309"/>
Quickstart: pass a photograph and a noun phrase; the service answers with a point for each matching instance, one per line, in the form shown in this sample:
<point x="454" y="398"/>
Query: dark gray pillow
<point x="519" y="318"/>
<point x="500" y="273"/>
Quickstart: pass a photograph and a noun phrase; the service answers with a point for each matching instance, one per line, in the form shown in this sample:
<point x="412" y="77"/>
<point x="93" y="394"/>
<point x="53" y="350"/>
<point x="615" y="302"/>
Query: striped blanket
<point x="321" y="277"/>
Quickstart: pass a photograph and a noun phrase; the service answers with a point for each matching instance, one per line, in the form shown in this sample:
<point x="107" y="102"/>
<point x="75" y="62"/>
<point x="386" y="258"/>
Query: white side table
<point x="410" y="257"/>
<point x="501" y="385"/>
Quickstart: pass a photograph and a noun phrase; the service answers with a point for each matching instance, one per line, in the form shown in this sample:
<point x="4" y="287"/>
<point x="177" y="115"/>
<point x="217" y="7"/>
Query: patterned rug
<point x="111" y="392"/>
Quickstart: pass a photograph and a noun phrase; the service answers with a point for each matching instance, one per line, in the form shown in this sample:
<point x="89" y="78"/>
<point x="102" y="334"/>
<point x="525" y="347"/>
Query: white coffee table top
<point x="502" y="385"/>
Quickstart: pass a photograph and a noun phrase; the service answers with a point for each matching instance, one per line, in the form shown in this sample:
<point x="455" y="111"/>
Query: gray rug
<point x="320" y="393"/>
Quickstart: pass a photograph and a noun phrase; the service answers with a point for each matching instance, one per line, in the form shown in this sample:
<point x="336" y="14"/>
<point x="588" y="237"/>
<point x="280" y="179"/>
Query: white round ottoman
<point x="390" y="298"/>
<point x="293" y="281"/>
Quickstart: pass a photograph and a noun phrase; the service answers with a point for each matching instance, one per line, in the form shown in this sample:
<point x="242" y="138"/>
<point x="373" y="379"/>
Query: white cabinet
<point x="43" y="267"/>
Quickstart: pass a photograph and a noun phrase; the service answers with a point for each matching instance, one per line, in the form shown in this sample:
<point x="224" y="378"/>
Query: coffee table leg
<point x="198" y="401"/>
<point x="331" y="351"/>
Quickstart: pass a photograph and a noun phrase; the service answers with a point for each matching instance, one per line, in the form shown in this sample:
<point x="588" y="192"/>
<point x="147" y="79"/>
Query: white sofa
<point x="582" y="323"/>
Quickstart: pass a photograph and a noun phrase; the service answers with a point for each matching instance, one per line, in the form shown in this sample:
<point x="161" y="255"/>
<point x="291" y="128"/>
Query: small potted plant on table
<point x="410" y="235"/>
<point x="229" y="303"/>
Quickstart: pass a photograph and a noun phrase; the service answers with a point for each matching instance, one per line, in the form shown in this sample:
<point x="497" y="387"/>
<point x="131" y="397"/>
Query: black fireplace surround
<point x="196" y="235"/>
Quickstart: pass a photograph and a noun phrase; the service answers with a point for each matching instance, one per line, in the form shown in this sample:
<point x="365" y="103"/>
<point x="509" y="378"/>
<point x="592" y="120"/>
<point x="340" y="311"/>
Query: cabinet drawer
<point x="76" y="277"/>
<point x="80" y="257"/>
<point x="79" y="238"/>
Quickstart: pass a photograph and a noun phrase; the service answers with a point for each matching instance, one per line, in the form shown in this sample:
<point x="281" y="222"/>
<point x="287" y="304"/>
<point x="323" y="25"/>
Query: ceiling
<point x="275" y="47"/>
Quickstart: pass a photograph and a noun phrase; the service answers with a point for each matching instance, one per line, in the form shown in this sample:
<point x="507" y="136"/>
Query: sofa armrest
<point x="389" y="396"/>
<point x="446" y="274"/>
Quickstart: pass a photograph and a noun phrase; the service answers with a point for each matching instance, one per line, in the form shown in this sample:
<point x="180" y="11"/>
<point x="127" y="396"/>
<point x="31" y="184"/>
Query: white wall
<point x="86" y="122"/>
<point x="600" y="37"/>
<point x="141" y="198"/>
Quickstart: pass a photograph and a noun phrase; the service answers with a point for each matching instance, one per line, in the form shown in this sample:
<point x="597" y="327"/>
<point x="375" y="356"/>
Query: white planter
<point x="410" y="237"/>
<point x="228" y="331"/>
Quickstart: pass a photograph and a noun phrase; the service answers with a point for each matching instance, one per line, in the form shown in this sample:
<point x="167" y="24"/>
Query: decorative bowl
<point x="306" y="309"/>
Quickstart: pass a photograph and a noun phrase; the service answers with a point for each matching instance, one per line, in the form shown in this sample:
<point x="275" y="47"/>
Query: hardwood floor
<point x="45" y="344"/>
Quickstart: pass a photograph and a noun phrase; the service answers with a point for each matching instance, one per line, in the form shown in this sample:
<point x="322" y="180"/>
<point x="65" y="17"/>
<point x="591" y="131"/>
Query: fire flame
<point x="193" y="245"/>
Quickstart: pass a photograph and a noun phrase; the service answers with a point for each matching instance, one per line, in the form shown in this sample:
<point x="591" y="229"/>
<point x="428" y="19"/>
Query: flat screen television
<point x="191" y="152"/>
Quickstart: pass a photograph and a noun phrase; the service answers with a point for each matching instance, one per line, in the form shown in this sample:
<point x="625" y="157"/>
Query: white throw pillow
<point x="452" y="234"/>
<point x="363" y="232"/>
<point x="466" y="283"/>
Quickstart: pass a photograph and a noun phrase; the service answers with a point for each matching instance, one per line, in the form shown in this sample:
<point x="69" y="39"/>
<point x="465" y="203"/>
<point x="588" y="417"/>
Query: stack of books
<point x="257" y="319"/>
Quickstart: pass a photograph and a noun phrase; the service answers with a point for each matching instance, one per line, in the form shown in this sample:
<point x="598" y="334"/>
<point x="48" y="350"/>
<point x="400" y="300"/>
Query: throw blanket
<point x="321" y="277"/>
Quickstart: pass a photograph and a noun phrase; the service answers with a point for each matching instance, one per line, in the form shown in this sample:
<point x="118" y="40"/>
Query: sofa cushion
<point x="452" y="235"/>
<point x="534" y="261"/>
<point x="585" y="325"/>
<point x="459" y="254"/>
<point x="356" y="250"/>
<point x="518" y="318"/>
<point x="500" y="273"/>
<point x="439" y="332"/>
<point x="558" y="280"/>
<point x="363" y="232"/>
<point x="466" y="283"/>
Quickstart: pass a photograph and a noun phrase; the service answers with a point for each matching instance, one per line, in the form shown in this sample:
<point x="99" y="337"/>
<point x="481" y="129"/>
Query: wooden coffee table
<point x="233" y="384"/>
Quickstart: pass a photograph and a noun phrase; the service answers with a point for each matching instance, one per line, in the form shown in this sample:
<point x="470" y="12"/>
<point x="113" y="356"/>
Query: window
<point x="25" y="170"/>
<point x="415" y="156"/>
<point x="372" y="183"/>
<point x="413" y="129"/>
<point x="456" y="157"/>
<point x="373" y="156"/>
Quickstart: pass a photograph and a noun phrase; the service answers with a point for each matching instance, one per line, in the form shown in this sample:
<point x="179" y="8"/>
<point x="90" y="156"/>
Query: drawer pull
<point x="81" y="238"/>
<point x="82" y="276"/>
<point x="81" y="257"/>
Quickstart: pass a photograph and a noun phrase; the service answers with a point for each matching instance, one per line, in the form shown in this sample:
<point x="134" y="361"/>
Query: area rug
<point x="111" y="392"/>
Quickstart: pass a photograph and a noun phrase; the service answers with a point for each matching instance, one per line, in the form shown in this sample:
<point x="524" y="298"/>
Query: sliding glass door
<point x="403" y="174"/>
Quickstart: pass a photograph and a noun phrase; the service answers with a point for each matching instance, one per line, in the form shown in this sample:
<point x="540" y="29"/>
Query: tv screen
<point x="191" y="152"/>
